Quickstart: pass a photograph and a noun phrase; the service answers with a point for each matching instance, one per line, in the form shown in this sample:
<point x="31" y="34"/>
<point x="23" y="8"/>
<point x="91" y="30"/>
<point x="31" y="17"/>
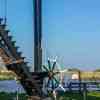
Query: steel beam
<point x="37" y="35"/>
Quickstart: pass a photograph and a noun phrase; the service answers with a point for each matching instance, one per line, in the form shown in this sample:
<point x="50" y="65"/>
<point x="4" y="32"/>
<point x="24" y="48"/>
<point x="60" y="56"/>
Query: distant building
<point x="75" y="76"/>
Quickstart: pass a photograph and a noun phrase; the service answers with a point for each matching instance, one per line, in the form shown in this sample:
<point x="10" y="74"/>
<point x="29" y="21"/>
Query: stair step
<point x="2" y="26"/>
<point x="13" y="43"/>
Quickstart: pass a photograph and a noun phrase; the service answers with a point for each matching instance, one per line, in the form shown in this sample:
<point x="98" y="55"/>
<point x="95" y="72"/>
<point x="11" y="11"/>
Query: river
<point x="10" y="86"/>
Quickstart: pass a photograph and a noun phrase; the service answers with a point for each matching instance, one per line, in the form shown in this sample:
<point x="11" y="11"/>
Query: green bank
<point x="76" y="96"/>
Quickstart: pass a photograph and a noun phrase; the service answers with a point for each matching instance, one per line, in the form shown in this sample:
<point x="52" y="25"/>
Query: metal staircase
<point x="31" y="82"/>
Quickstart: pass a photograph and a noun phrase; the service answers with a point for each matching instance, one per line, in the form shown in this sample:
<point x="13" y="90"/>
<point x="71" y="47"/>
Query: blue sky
<point x="71" y="30"/>
<point x="19" y="20"/>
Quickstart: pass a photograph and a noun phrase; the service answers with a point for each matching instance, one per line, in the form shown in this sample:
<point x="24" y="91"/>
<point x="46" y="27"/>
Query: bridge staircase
<point x="31" y="81"/>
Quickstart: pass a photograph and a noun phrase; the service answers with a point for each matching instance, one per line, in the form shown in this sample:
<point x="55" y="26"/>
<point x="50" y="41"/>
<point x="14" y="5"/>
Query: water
<point x="75" y="87"/>
<point x="10" y="86"/>
<point x="90" y="87"/>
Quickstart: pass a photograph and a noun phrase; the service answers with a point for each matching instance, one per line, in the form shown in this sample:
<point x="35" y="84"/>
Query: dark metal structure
<point x="37" y="35"/>
<point x="31" y="81"/>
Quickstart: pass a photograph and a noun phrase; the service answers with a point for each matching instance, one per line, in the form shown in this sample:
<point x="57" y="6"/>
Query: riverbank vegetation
<point x="12" y="96"/>
<point x="76" y="96"/>
<point x="7" y="75"/>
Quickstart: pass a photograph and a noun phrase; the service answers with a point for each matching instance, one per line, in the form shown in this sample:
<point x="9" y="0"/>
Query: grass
<point x="77" y="96"/>
<point x="61" y="96"/>
<point x="11" y="96"/>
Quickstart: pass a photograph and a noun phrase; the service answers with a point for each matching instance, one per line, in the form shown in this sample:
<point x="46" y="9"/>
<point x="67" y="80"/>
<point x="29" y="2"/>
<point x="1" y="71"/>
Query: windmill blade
<point x="46" y="69"/>
<point x="54" y="64"/>
<point x="52" y="84"/>
<point x="56" y="80"/>
<point x="49" y="64"/>
<point x="55" y="60"/>
<point x="48" y="82"/>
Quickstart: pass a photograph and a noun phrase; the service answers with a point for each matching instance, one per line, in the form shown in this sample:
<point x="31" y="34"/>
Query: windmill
<point x="54" y="79"/>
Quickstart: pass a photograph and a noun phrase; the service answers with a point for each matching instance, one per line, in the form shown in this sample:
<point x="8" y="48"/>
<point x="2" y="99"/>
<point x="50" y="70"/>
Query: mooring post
<point x="70" y="87"/>
<point x="79" y="74"/>
<point x="84" y="91"/>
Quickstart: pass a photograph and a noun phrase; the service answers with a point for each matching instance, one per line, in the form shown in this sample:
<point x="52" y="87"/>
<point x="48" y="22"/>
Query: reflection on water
<point x="10" y="86"/>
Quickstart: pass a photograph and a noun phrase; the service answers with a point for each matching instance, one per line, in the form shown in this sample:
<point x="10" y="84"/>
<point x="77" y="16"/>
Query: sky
<point x="70" y="31"/>
<point x="20" y="23"/>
